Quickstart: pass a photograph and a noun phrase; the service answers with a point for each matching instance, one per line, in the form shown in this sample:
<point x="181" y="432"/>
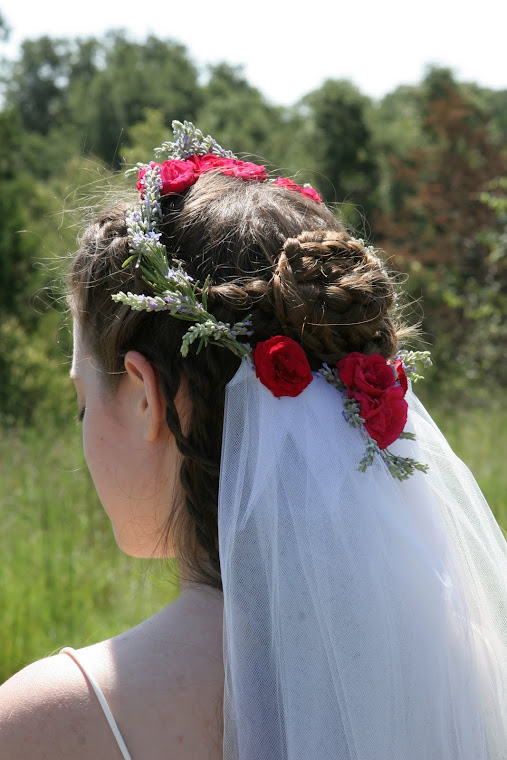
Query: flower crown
<point x="374" y="387"/>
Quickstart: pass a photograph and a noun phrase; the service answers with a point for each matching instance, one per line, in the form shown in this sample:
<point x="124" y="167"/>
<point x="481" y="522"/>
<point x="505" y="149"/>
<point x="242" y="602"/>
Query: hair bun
<point x="333" y="295"/>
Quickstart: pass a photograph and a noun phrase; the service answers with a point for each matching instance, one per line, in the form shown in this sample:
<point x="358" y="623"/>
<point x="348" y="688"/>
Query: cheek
<point x="133" y="481"/>
<point x="99" y="452"/>
<point x="109" y="454"/>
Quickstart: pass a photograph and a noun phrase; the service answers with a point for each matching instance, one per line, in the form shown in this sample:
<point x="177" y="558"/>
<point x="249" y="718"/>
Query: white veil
<point x="364" y="618"/>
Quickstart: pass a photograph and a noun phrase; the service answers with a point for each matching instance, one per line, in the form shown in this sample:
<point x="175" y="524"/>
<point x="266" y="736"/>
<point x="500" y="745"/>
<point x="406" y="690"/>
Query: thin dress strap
<point x="102" y="701"/>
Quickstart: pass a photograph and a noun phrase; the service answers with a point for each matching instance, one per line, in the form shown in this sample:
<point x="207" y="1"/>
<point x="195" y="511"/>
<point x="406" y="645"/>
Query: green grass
<point x="478" y="435"/>
<point x="64" y="581"/>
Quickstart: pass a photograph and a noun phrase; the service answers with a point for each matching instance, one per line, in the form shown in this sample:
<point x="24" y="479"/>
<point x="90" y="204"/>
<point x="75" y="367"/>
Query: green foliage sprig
<point x="176" y="292"/>
<point x="410" y="361"/>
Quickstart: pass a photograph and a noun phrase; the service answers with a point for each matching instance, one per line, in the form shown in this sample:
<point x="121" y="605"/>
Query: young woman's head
<point x="270" y="252"/>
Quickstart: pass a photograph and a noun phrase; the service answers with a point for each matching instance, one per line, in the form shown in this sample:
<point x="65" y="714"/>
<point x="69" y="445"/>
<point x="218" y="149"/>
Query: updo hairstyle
<point x="272" y="253"/>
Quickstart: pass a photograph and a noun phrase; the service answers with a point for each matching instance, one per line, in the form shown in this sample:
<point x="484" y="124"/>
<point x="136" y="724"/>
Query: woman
<point x="246" y="408"/>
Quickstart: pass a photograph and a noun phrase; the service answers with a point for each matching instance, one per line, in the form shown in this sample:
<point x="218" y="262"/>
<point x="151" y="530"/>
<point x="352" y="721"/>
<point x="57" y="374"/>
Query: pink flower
<point x="232" y="167"/>
<point x="177" y="176"/>
<point x="291" y="185"/>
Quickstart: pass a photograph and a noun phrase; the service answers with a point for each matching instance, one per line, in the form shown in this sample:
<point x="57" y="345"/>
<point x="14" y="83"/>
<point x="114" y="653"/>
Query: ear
<point x="148" y="398"/>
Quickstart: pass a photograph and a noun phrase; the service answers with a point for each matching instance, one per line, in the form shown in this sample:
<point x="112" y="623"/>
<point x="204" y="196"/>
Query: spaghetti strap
<point x="102" y="701"/>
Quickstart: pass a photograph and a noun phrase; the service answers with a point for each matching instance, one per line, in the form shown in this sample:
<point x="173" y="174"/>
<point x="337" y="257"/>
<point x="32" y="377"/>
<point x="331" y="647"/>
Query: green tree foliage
<point x="339" y="140"/>
<point x="437" y="224"/>
<point x="4" y="29"/>
<point x="17" y="248"/>
<point x="143" y="136"/>
<point x="397" y="130"/>
<point x="100" y="87"/>
<point x="134" y="76"/>
<point x="38" y="84"/>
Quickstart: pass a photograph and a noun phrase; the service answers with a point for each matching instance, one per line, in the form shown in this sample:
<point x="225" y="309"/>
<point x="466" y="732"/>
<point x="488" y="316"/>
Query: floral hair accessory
<point x="281" y="365"/>
<point x="304" y="190"/>
<point x="380" y="392"/>
<point x="375" y="389"/>
<point x="178" y="294"/>
<point x="173" y="290"/>
<point x="188" y="157"/>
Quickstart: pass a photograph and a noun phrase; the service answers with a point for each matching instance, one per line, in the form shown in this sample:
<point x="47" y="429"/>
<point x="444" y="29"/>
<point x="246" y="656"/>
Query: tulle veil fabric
<point x="364" y="618"/>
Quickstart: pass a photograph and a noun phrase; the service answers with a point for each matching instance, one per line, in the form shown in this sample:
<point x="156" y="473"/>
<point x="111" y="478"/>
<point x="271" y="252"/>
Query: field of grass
<point x="64" y="582"/>
<point x="478" y="435"/>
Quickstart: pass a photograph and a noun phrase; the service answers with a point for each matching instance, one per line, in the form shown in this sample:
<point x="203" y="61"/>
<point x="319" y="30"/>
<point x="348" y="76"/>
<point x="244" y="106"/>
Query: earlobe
<point x="148" y="397"/>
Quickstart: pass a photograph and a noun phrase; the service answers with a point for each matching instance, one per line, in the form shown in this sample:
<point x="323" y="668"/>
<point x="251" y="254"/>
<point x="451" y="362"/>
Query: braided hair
<point x="270" y="252"/>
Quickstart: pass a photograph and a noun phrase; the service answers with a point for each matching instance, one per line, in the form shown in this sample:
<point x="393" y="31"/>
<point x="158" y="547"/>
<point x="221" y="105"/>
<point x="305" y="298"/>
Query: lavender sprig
<point x="221" y="333"/>
<point x="410" y="361"/>
<point x="401" y="467"/>
<point x="190" y="141"/>
<point x="143" y="221"/>
<point x="173" y="289"/>
<point x="176" y="292"/>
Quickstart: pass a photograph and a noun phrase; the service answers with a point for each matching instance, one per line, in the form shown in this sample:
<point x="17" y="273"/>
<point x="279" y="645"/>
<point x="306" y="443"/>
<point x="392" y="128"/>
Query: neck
<point x="199" y="596"/>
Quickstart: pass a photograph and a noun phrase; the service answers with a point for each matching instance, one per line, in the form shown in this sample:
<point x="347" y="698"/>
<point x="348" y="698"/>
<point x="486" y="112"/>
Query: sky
<point x="288" y="50"/>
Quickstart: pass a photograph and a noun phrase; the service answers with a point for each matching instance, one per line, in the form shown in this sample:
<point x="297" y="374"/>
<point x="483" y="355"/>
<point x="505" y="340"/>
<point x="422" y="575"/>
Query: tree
<point x="238" y="115"/>
<point x="436" y="227"/>
<point x="16" y="249"/>
<point x="91" y="91"/>
<point x="339" y="141"/>
<point x="155" y="74"/>
<point x="143" y="136"/>
<point x="37" y="83"/>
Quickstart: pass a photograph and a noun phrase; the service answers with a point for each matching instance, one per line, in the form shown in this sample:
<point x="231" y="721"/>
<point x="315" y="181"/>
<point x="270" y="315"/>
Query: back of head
<point x="271" y="253"/>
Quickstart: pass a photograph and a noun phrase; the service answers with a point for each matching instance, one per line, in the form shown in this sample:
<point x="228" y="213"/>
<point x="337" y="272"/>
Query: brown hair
<point x="272" y="253"/>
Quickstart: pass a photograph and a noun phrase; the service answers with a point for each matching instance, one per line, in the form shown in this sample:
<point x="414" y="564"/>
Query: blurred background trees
<point x="420" y="173"/>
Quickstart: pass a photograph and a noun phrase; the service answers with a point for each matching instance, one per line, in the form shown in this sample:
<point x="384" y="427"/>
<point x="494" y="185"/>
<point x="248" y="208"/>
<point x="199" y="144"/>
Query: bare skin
<point x="163" y="681"/>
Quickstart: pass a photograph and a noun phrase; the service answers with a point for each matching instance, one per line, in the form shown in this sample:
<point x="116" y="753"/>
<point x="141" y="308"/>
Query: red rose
<point x="372" y="382"/>
<point x="291" y="185"/>
<point x="288" y="183"/>
<point x="365" y="374"/>
<point x="281" y="365"/>
<point x="384" y="416"/>
<point x="177" y="176"/>
<point x="232" y="167"/>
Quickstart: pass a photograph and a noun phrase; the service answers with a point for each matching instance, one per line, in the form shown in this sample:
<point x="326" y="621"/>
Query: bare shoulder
<point x="48" y="710"/>
<point x="163" y="682"/>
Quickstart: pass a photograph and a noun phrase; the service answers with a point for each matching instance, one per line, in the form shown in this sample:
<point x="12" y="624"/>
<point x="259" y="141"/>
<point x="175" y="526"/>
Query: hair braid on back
<point x="200" y="445"/>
